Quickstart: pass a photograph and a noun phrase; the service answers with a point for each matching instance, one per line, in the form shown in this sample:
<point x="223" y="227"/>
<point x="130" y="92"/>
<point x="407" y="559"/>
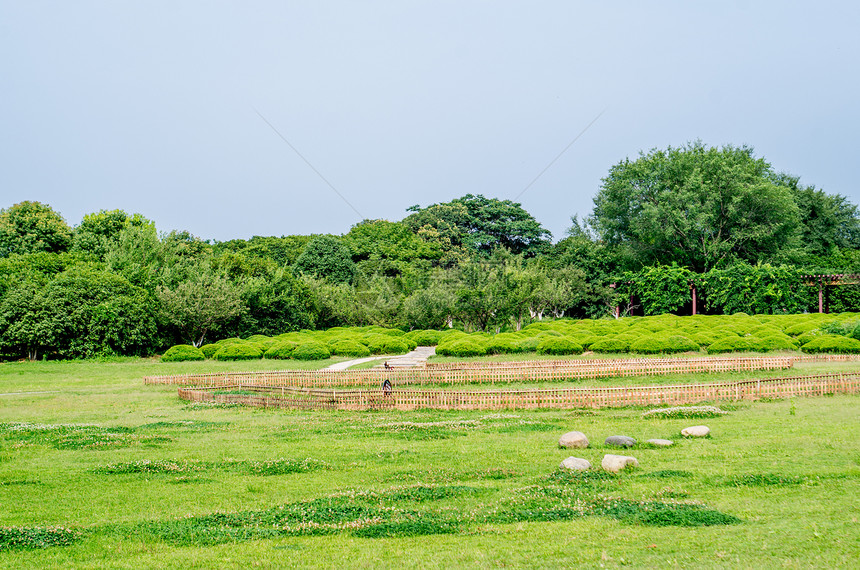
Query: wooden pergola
<point x="812" y="280"/>
<point x="828" y="280"/>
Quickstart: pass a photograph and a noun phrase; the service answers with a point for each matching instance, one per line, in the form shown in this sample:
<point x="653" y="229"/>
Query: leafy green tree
<point x="483" y="225"/>
<point x="661" y="288"/>
<point x="200" y="303"/>
<point x="276" y="303"/>
<point x="137" y="255"/>
<point x="698" y="207"/>
<point x="23" y="327"/>
<point x="30" y="227"/>
<point x="828" y="222"/>
<point x="387" y="240"/>
<point x="434" y="305"/>
<point x="755" y="289"/>
<point x="334" y="304"/>
<point x="98" y="231"/>
<point x="284" y="250"/>
<point x="88" y="312"/>
<point x="326" y="257"/>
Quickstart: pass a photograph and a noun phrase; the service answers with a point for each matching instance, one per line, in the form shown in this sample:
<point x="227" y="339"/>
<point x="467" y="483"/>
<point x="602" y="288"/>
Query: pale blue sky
<point x="150" y="106"/>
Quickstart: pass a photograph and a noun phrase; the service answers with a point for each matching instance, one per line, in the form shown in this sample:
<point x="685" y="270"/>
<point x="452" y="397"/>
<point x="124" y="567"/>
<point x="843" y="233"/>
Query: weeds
<point x="172" y="467"/>
<point x="77" y="436"/>
<point x="28" y="538"/>
<point x="764" y="480"/>
<point x="685" y="412"/>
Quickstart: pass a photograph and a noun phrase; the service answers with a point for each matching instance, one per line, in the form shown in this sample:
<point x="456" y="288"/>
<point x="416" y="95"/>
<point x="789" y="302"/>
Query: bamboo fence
<point x="399" y="399"/>
<point x="481" y="372"/>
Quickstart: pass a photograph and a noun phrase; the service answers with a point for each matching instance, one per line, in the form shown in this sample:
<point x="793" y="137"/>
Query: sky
<point x="235" y="119"/>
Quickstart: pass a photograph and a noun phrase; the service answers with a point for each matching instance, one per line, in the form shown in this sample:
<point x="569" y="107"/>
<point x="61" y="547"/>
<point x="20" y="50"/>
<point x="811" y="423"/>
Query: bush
<point x="425" y="337"/>
<point x="349" y="348"/>
<point x="281" y="350"/>
<point x="559" y="345"/>
<point x="311" y="351"/>
<point x="462" y="347"/>
<point x="528" y="344"/>
<point x="832" y="343"/>
<point x="382" y="344"/>
<point x="610" y="345"/>
<point x="226" y="341"/>
<point x="209" y="350"/>
<point x="243" y="351"/>
<point x="181" y="353"/>
<point x="503" y="344"/>
<point x="263" y="341"/>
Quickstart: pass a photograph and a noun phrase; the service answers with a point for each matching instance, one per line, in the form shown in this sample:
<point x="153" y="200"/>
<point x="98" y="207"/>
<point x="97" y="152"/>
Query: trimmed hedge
<point x="382" y="344"/>
<point x="462" y="347"/>
<point x="832" y="343"/>
<point x="559" y="345"/>
<point x="425" y="337"/>
<point x="349" y="348"/>
<point x="239" y="351"/>
<point x="209" y="350"/>
<point x="182" y="353"/>
<point x="610" y="345"/>
<point x="311" y="351"/>
<point x="281" y="350"/>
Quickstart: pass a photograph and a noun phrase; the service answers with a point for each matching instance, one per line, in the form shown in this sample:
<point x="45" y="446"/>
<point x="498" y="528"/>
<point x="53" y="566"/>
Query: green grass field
<point x="144" y="480"/>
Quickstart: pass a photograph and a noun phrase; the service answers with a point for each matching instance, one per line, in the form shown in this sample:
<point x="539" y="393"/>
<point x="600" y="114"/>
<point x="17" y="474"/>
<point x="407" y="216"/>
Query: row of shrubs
<point x="664" y="334"/>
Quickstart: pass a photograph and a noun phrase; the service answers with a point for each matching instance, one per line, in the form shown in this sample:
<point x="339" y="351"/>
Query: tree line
<point x="720" y="219"/>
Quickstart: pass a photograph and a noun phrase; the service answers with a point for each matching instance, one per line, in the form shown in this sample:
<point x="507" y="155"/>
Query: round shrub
<point x="349" y="348"/>
<point x="528" y="344"/>
<point x="611" y="345"/>
<point x="832" y="343"/>
<point x="383" y="344"/>
<point x="680" y="343"/>
<point x="559" y="345"/>
<point x="209" y="350"/>
<point x="649" y="345"/>
<point x="311" y="351"/>
<point x="462" y="347"/>
<point x="425" y="337"/>
<point x="391" y="332"/>
<point x="239" y="351"/>
<point x="585" y="340"/>
<point x="503" y="343"/>
<point x="181" y="353"/>
<point x="226" y="341"/>
<point x="263" y="341"/>
<point x="770" y="343"/>
<point x="281" y="350"/>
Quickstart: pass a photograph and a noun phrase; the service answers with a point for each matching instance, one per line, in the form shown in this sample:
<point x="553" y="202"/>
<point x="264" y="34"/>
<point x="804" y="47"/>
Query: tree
<point x="326" y="257"/>
<point x="200" y="304"/>
<point x="30" y="227"/>
<point x="23" y="328"/>
<point x="696" y="206"/>
<point x="828" y="222"/>
<point x="482" y="225"/>
<point x="99" y="231"/>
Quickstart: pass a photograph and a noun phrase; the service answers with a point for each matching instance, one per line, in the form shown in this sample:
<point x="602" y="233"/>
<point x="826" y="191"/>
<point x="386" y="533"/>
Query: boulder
<point x="573" y="439"/>
<point x="615" y="463"/>
<point x="696" y="431"/>
<point x="576" y="464"/>
<point x="620" y="441"/>
<point x="661" y="442"/>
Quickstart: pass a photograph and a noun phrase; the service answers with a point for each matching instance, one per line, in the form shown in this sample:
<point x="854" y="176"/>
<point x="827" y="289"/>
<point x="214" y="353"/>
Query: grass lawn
<point x="139" y="476"/>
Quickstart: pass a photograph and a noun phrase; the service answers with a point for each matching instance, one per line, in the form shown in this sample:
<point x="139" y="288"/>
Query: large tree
<point x="30" y="227"/>
<point x="482" y="225"/>
<point x="697" y="206"/>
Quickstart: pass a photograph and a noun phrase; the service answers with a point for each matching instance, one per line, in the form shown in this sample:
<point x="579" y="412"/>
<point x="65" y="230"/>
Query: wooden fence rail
<point x="399" y="399"/>
<point x="486" y="373"/>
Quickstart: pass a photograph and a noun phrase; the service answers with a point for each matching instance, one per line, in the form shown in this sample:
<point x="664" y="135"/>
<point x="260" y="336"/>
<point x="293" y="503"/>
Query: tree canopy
<point x="698" y="207"/>
<point x="31" y="227"/>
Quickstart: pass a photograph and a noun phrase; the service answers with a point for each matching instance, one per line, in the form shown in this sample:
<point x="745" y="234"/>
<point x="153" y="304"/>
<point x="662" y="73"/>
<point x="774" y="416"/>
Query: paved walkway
<point x="417" y="357"/>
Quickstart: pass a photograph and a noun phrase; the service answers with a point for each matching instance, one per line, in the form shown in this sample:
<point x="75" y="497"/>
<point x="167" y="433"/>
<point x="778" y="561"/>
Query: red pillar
<point x="821" y="295"/>
<point x="693" y="287"/>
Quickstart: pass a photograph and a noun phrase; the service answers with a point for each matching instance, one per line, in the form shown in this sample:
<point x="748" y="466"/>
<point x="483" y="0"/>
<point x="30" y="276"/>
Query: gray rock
<point x="696" y="431"/>
<point x="661" y="442"/>
<point x="615" y="463"/>
<point x="576" y="464"/>
<point x="620" y="441"/>
<point x="573" y="439"/>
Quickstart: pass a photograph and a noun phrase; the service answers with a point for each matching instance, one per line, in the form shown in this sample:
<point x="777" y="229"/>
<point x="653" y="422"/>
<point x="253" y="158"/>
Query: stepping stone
<point x="661" y="442"/>
<point x="573" y="439"/>
<point x="615" y="463"/>
<point x="696" y="431"/>
<point x="620" y="441"/>
<point x="576" y="464"/>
